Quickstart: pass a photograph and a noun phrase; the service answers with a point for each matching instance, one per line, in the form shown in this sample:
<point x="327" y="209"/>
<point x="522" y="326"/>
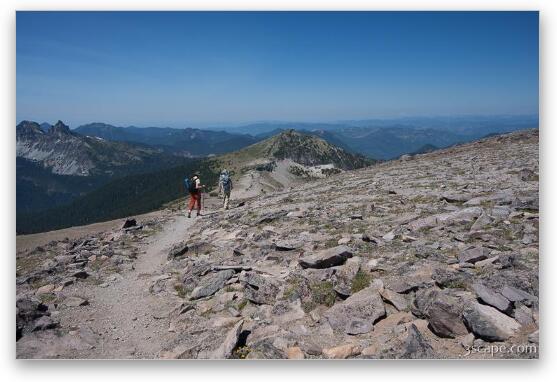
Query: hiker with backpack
<point x="225" y="186"/>
<point x="194" y="187"/>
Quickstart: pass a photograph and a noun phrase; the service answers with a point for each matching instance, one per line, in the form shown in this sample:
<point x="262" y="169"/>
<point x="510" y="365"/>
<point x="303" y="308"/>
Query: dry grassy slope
<point x="287" y="149"/>
<point x="304" y="149"/>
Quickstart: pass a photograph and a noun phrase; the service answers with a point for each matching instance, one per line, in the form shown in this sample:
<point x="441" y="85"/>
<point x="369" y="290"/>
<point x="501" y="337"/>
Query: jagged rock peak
<point x="60" y="128"/>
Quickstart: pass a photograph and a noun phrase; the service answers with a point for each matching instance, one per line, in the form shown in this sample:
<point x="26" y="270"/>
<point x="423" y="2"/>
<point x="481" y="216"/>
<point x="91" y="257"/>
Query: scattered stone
<point x="444" y="315"/>
<point x="416" y="346"/>
<point x="177" y="251"/>
<point x="467" y="341"/>
<point x="80" y="275"/>
<point x="211" y="283"/>
<point x="472" y="255"/>
<point x="342" y="351"/>
<point x="370" y="239"/>
<point x="287" y="245"/>
<point x="271" y="216"/>
<point x="389" y="236"/>
<point x="295" y="353"/>
<point x="482" y="221"/>
<point x="366" y="305"/>
<point x="45" y="289"/>
<point x="259" y="289"/>
<point x="516" y="295"/>
<point x="74" y="301"/>
<point x="487" y="262"/>
<point x="523" y="315"/>
<point x="396" y="299"/>
<point x="534" y="337"/>
<point x="327" y="258"/>
<point x="490" y="297"/>
<point x="343" y="241"/>
<point x="129" y="223"/>
<point x="224" y="351"/>
<point x="355" y="327"/>
<point x="488" y="323"/>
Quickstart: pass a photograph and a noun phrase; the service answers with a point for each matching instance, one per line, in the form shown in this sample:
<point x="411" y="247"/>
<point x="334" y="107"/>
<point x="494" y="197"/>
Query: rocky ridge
<point x="65" y="152"/>
<point x="431" y="256"/>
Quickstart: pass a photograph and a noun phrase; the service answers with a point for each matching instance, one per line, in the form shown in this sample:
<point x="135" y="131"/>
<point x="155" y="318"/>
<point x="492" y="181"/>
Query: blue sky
<point x="201" y="68"/>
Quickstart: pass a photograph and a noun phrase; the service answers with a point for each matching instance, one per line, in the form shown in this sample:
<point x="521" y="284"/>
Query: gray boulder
<point x="396" y="299"/>
<point x="259" y="289"/>
<point x="344" y="275"/>
<point x="366" y="305"/>
<point x="442" y="311"/>
<point x="224" y="351"/>
<point x="523" y="314"/>
<point x="211" y="284"/>
<point x="444" y="316"/>
<point x="474" y="254"/>
<point x="481" y="222"/>
<point x="416" y="346"/>
<point x="488" y="323"/>
<point x="515" y="294"/>
<point x="490" y="297"/>
<point x="178" y="250"/>
<point x="288" y="245"/>
<point x="327" y="258"/>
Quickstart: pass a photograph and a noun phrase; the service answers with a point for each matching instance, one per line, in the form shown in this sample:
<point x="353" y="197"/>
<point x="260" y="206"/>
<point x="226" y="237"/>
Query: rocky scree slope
<point x="424" y="257"/>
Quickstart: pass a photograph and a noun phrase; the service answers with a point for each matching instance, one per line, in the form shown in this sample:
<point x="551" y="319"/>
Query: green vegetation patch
<point x="322" y="293"/>
<point x="360" y="281"/>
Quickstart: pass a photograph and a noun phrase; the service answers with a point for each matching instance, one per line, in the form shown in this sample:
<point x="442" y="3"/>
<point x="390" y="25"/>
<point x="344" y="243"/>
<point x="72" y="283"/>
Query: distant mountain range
<point x="376" y="138"/>
<point x="118" y="170"/>
<point x="187" y="142"/>
<point x="390" y="138"/>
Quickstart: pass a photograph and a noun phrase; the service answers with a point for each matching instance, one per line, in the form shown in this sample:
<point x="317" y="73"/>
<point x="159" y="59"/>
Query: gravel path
<point x="131" y="321"/>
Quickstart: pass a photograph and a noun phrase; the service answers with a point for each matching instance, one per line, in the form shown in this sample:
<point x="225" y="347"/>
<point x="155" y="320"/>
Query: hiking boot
<point x="189" y="215"/>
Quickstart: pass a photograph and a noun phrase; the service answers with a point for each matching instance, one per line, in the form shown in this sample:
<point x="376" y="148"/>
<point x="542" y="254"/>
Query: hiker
<point x="194" y="187"/>
<point x="225" y="186"/>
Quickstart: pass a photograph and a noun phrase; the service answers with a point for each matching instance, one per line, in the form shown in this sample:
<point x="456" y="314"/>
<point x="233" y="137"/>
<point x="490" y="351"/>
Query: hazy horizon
<point x="225" y="125"/>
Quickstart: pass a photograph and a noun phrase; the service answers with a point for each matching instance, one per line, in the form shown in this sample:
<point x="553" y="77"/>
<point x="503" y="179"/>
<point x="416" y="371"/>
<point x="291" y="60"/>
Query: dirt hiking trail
<point x="132" y="322"/>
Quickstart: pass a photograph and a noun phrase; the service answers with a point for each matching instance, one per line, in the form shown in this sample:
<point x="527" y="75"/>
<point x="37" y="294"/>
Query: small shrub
<point x="322" y="293"/>
<point x="360" y="281"/>
<point x="47" y="298"/>
<point x="242" y="304"/>
<point x="180" y="289"/>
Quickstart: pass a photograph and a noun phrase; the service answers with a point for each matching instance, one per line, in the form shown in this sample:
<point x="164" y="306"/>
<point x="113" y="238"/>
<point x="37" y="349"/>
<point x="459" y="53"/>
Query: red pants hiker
<point x="195" y="198"/>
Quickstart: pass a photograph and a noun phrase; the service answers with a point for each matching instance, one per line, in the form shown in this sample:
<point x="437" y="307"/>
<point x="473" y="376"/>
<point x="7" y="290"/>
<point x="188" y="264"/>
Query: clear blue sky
<point x="198" y="68"/>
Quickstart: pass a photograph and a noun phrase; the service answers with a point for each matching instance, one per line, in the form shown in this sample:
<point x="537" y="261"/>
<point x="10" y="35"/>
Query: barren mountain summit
<point x="431" y="256"/>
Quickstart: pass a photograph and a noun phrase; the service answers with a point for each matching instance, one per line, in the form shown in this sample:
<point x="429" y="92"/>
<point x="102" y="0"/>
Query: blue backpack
<point x="225" y="181"/>
<point x="189" y="184"/>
